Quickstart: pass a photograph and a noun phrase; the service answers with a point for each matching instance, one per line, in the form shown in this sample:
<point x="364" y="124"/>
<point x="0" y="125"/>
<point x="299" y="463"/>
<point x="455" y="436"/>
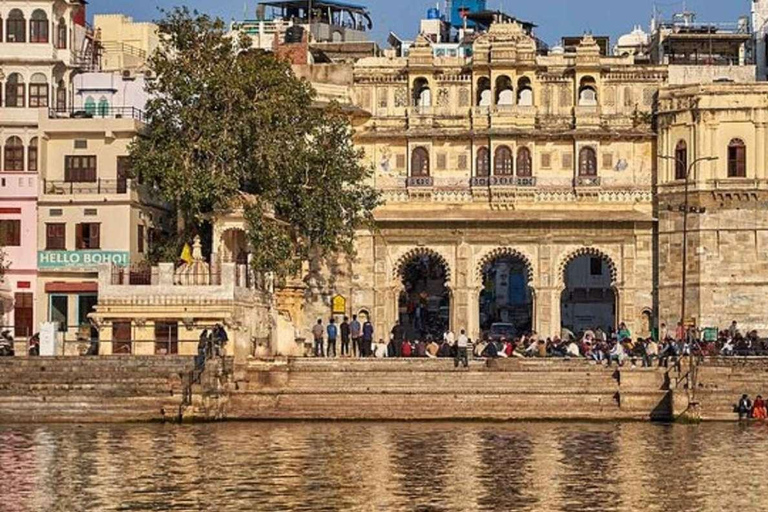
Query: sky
<point x="555" y="18"/>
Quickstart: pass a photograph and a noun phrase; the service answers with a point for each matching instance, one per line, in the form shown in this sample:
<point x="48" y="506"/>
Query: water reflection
<point x="384" y="467"/>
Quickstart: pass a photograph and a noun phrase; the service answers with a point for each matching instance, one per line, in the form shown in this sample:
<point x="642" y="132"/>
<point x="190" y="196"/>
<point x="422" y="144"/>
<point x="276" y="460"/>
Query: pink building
<point x="18" y="236"/>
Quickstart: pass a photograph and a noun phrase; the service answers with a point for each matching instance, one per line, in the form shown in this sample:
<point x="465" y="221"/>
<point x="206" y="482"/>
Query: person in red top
<point x="759" y="411"/>
<point x="405" y="350"/>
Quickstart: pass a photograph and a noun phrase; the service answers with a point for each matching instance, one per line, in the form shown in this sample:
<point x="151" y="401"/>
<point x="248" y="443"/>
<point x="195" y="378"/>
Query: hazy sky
<point x="555" y="18"/>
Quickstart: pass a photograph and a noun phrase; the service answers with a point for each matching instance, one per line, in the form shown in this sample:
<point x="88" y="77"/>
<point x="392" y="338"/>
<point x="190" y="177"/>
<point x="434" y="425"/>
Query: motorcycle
<point x="6" y="344"/>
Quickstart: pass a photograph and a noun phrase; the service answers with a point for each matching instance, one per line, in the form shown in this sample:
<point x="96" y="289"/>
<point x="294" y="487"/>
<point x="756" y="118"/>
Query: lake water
<point x="384" y="467"/>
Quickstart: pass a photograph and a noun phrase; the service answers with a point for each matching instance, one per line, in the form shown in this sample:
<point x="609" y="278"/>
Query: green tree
<point x="225" y="119"/>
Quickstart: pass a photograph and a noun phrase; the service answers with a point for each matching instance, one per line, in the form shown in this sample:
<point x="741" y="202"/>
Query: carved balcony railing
<point x="480" y="181"/>
<point x="526" y="181"/>
<point x="420" y="181"/>
<point x="587" y="181"/>
<point x="512" y="181"/>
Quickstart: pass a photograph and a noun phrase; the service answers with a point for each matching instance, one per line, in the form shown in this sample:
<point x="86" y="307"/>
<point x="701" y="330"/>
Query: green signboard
<point x="81" y="259"/>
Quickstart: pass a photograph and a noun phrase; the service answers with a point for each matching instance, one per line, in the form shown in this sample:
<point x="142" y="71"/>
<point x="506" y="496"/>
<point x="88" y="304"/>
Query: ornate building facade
<point x="509" y="154"/>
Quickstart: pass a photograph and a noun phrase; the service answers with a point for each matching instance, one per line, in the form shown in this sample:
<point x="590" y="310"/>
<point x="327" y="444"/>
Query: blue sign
<point x="81" y="259"/>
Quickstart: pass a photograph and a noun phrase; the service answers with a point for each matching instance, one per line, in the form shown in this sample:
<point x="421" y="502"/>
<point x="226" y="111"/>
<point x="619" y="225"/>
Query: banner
<point x="81" y="259"/>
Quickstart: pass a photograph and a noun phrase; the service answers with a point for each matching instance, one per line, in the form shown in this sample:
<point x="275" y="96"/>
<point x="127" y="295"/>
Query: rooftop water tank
<point x="433" y="13"/>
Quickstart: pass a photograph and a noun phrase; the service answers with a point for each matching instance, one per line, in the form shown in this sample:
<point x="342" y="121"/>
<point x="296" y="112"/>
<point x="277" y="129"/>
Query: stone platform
<point x="157" y="388"/>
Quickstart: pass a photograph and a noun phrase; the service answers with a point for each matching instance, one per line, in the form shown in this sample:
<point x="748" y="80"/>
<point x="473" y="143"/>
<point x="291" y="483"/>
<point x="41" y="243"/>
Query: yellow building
<point x="90" y="211"/>
<point x="126" y="44"/>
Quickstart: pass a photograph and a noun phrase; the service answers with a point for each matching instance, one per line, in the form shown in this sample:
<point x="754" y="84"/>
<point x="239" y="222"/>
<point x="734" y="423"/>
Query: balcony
<point x="512" y="181"/>
<point x="100" y="113"/>
<point x="420" y="182"/>
<point x="480" y="181"/>
<point x="60" y="188"/>
<point x="587" y="181"/>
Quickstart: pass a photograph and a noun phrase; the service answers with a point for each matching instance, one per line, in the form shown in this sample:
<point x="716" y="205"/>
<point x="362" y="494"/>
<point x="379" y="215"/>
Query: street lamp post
<point x="686" y="209"/>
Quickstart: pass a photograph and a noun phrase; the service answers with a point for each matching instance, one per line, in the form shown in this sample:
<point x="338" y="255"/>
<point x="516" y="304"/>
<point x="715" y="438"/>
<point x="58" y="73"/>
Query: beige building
<point x="90" y="212"/>
<point x="126" y="44"/>
<point x="727" y="239"/>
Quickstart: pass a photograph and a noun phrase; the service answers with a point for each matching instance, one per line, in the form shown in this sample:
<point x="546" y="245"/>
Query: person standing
<point x="367" y="339"/>
<point x="345" y="337"/>
<point x="398" y="335"/>
<point x="333" y="333"/>
<point x="355" y="332"/>
<point x="317" y="333"/>
<point x="462" y="342"/>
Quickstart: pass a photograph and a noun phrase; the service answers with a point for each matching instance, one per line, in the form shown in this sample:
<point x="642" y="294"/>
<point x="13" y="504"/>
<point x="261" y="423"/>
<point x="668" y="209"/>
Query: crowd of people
<point x="602" y="347"/>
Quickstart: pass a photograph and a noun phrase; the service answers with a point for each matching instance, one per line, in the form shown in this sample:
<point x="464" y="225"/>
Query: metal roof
<point x="317" y="4"/>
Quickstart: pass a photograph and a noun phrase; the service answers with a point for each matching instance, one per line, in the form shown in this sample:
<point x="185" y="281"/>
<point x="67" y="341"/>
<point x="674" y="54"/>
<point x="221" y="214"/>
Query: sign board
<point x="338" y="305"/>
<point x="81" y="259"/>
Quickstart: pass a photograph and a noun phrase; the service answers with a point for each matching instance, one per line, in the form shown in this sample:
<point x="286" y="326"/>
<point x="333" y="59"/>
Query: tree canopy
<point x="225" y="120"/>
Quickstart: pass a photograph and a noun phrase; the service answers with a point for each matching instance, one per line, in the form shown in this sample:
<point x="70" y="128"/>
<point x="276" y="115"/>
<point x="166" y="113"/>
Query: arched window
<point x="90" y="105"/>
<point x="587" y="162"/>
<point x="38" y="91"/>
<point x="587" y="92"/>
<point x="419" y="163"/>
<point x="38" y="27"/>
<point x="502" y="161"/>
<point x="14" y="91"/>
<point x="16" y="27"/>
<point x="103" y="107"/>
<point x="628" y="100"/>
<point x="61" y="96"/>
<point x="737" y="159"/>
<point x="504" y="93"/>
<point x="422" y="96"/>
<point x="14" y="155"/>
<point x="32" y="155"/>
<point x="483" y="164"/>
<point x="61" y="34"/>
<point x="524" y="92"/>
<point x="524" y="163"/>
<point x="483" y="92"/>
<point x="681" y="160"/>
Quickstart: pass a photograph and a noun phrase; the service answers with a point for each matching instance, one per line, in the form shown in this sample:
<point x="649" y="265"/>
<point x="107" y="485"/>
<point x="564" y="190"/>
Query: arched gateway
<point x="506" y="299"/>
<point x="589" y="298"/>
<point x="424" y="300"/>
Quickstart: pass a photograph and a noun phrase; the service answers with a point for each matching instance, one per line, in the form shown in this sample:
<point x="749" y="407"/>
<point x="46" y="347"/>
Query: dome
<point x="634" y="39"/>
<point x="195" y="272"/>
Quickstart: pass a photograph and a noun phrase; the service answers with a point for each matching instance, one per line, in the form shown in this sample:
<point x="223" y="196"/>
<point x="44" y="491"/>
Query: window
<point x="14" y="91"/>
<point x="103" y="107"/>
<point x="90" y="106"/>
<point x="502" y="161"/>
<point x="504" y="93"/>
<point x="166" y="338"/>
<point x="419" y="162"/>
<point x="10" y="233"/>
<point x="87" y="235"/>
<point x="524" y="162"/>
<point x="483" y="92"/>
<point x="38" y="91"/>
<point x="140" y="239"/>
<point x="587" y="92"/>
<point x="79" y="169"/>
<point x="22" y="314"/>
<point x="737" y="159"/>
<point x="121" y="332"/>
<point x="59" y="311"/>
<point x="524" y="92"/>
<point x="32" y="155"/>
<point x="441" y="161"/>
<point x="483" y="163"/>
<point x="422" y="96"/>
<point x="14" y="155"/>
<point x="681" y="160"/>
<point x="595" y="266"/>
<point x="16" y="27"/>
<point x="607" y="161"/>
<point x="567" y="161"/>
<point x="587" y="162"/>
<point x="56" y="237"/>
<point x="61" y="35"/>
<point x="546" y="160"/>
<point x="86" y="304"/>
<point x="38" y="27"/>
<point x="400" y="161"/>
<point x="80" y="144"/>
<point x="61" y="97"/>
<point x="123" y="173"/>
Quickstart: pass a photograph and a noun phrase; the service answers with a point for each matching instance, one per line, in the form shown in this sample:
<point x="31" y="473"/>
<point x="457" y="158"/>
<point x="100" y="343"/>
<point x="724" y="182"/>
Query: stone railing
<point x="587" y="181"/>
<point x="420" y="181"/>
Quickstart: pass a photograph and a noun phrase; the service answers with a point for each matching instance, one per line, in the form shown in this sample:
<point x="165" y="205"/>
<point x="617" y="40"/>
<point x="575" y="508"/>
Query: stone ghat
<point x="423" y="389"/>
<point x="92" y="389"/>
<point x="157" y="388"/>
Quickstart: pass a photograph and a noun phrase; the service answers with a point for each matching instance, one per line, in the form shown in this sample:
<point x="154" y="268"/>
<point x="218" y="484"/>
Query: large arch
<point x="589" y="291"/>
<point x="423" y="293"/>
<point x="505" y="299"/>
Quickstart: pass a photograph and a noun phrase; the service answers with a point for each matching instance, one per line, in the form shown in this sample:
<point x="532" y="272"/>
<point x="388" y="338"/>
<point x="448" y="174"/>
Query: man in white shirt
<point x="461" y="349"/>
<point x="449" y="337"/>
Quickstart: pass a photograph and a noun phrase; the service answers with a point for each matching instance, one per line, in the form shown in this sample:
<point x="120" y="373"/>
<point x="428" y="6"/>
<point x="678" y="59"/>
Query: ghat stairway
<point x="106" y="388"/>
<point x="166" y="388"/>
